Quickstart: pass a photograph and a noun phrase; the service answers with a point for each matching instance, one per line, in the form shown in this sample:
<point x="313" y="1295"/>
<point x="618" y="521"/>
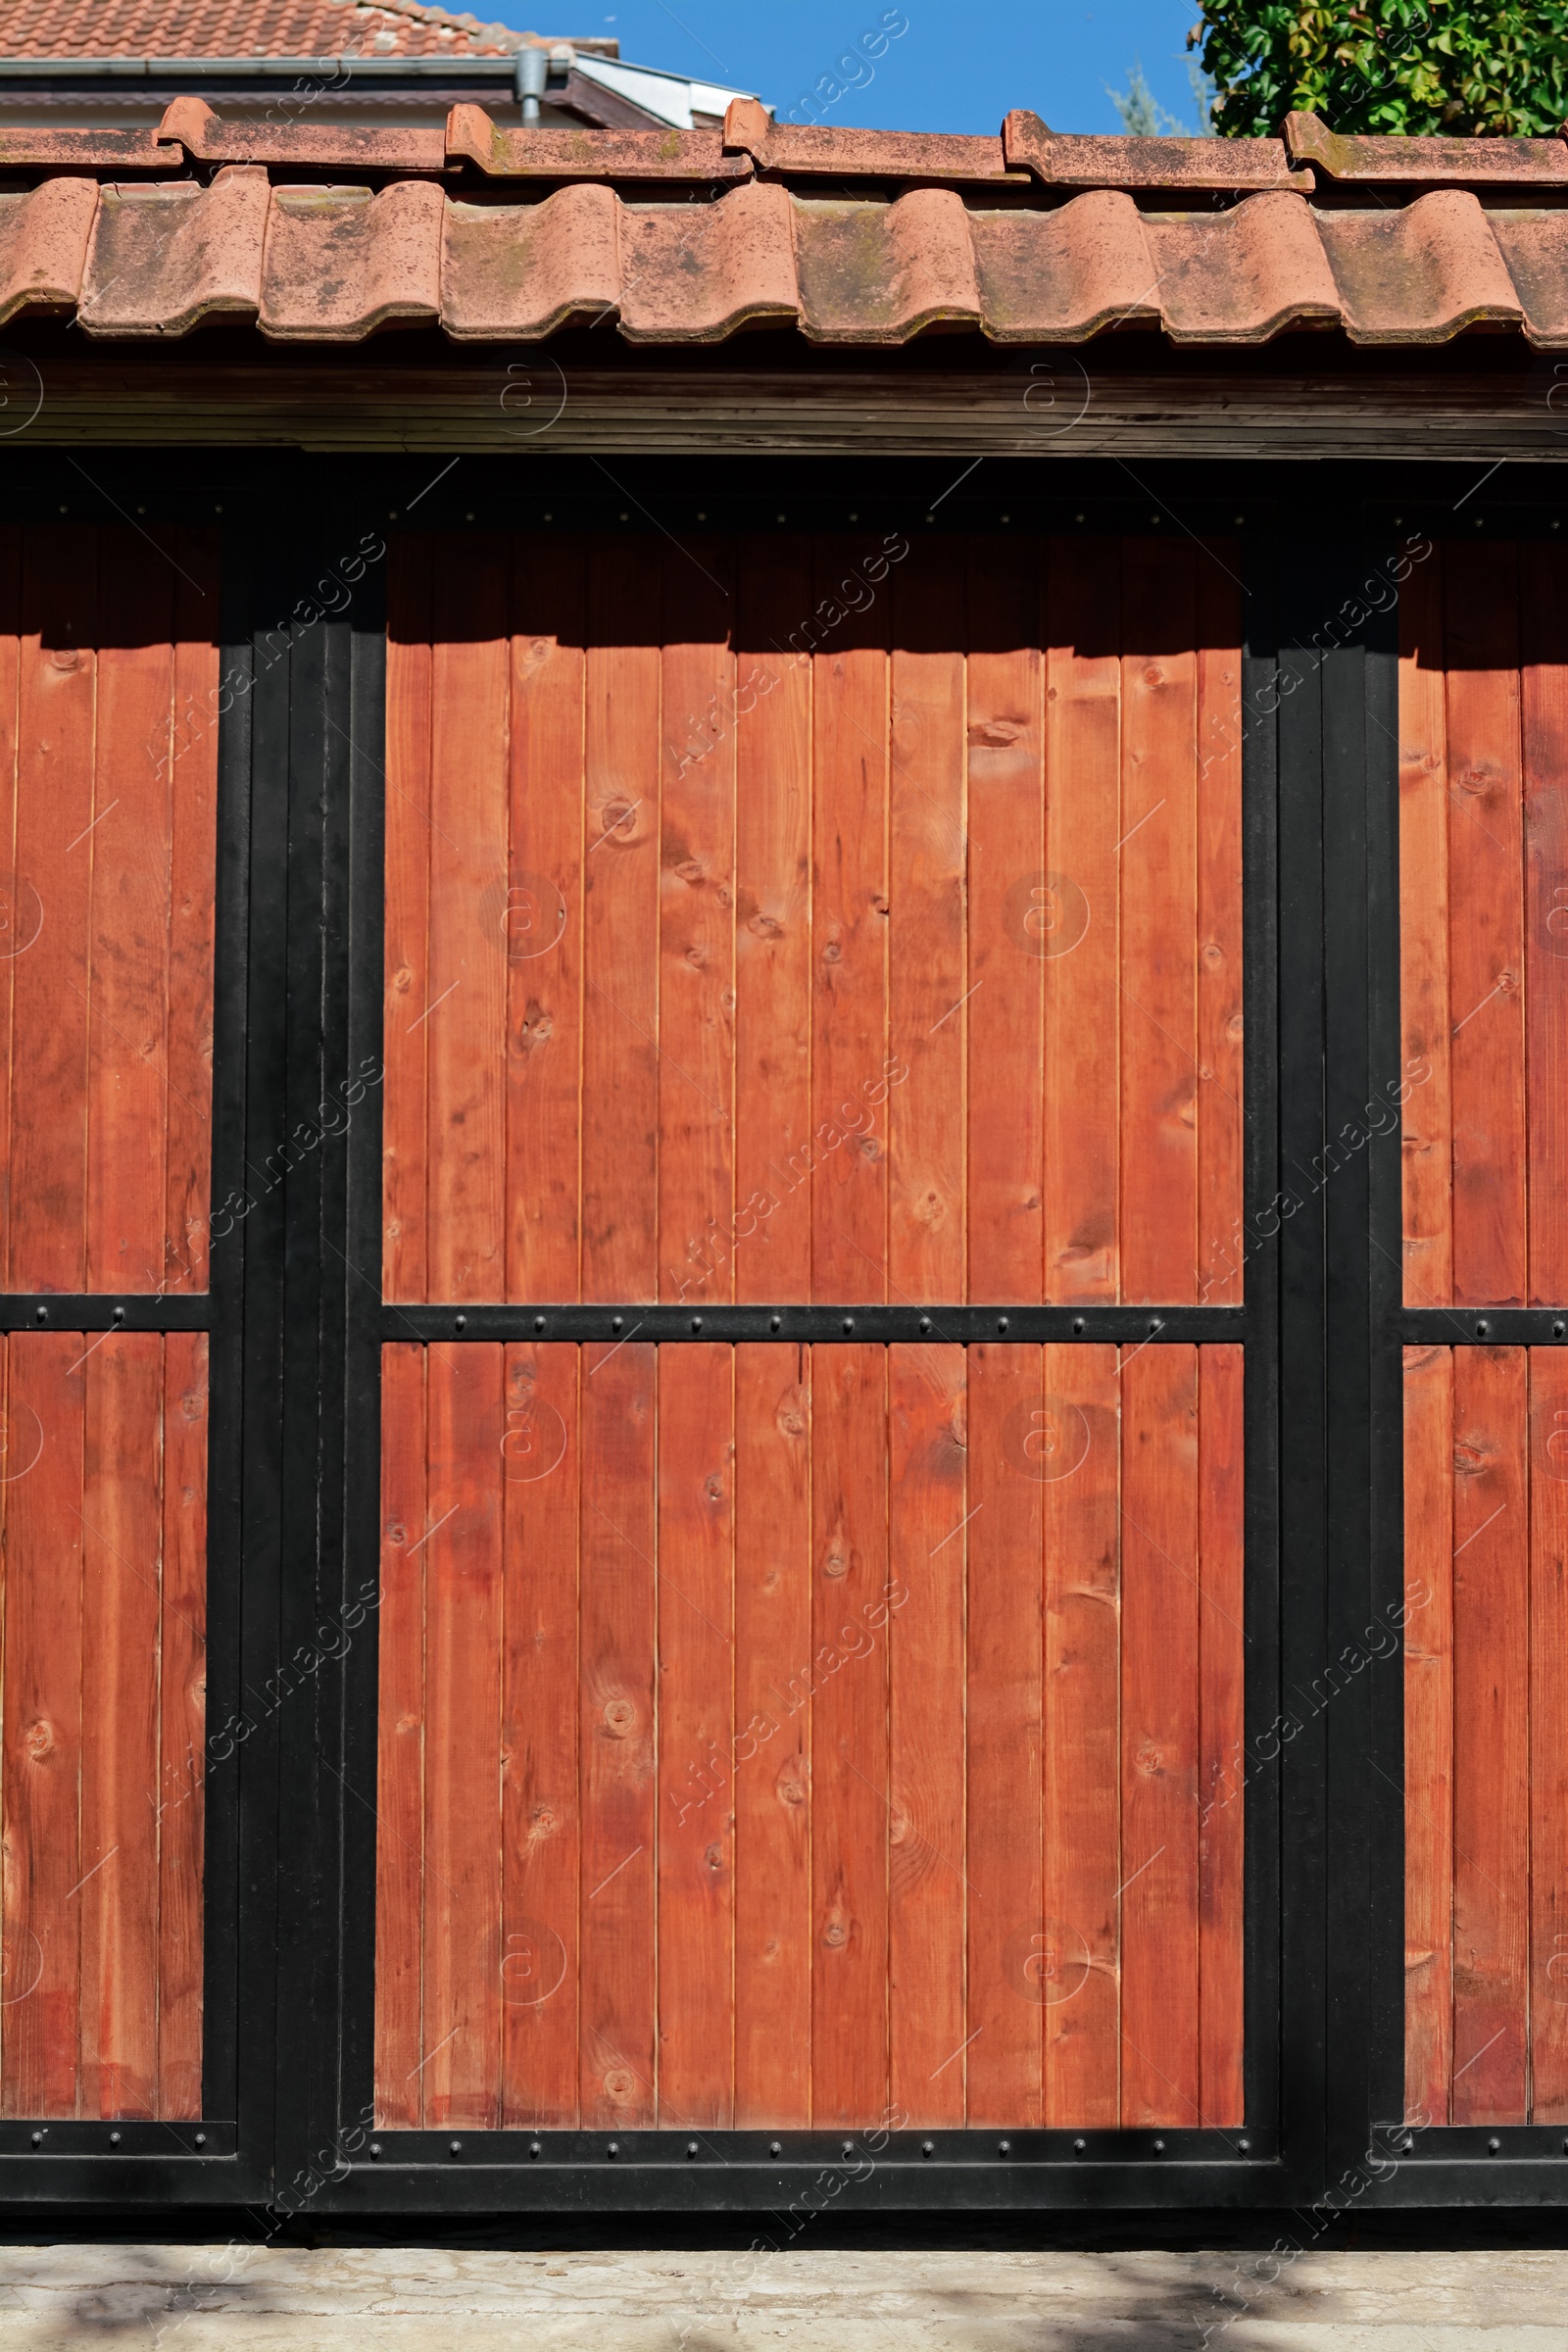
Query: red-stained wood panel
<point x="773" y="961"/>
<point x="852" y="1055"/>
<point x="1011" y="1450"/>
<point x="116" y="1901"/>
<point x="539" y="1826"/>
<point x="464" y="1013"/>
<point x="697" y="926"/>
<point x="621" y="1073"/>
<point x="1005" y="1014"/>
<point x="1543" y="656"/>
<point x="773" y="1583"/>
<point x="541" y="924"/>
<point x="51" y="976"/>
<point x="928" y="982"/>
<point x="1079" y="1459"/>
<point x="850" y="1759"/>
<point x="1222" y="1726"/>
<point x="1486" y="940"/>
<point x="617" y="1707"/>
<point x="1159" y="1737"/>
<point x="460" y="2058"/>
<point x="1425" y="1019"/>
<point x="192" y="913"/>
<point x="1491" y="1735"/>
<point x="406" y="1027"/>
<point x="183" y="1718"/>
<point x="1429" y="1667"/>
<point x="1548" y="1736"/>
<point x="696" y="1826"/>
<point x="1070" y="918"/>
<point x="10" y="889"/>
<point x="925" y="1636"/>
<point x="1158" y="882"/>
<point x="400" y="1808"/>
<point x="1220" y="968"/>
<point x="103" y="1489"/>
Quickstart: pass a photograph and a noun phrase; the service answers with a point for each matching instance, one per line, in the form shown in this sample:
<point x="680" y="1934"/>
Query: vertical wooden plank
<point x="621" y="925"/>
<point x="192" y="778"/>
<point x="1006" y="810"/>
<point x="465" y="1011"/>
<point x="1491" y="1735"/>
<point x="1544" y="705"/>
<point x="697" y="928"/>
<point x="696" y="1815"/>
<point x="849" y="1793"/>
<point x="406" y="1028"/>
<point x="853" y="1059"/>
<point x="928" y="981"/>
<point x="1426" y="1020"/>
<point x="772" y="923"/>
<point x="773" y="1721"/>
<point x="400" y="1805"/>
<point x="925" y="1643"/>
<point x="1222" y="1730"/>
<point x="182" y="1691"/>
<point x="1548" y="1736"/>
<point x="42" y="1725"/>
<point x="461" y="2056"/>
<point x="1486" y="938"/>
<point x="1159" y="1737"/>
<point x="540" y="1828"/>
<point x="128" y="854"/>
<point x="122" y="1545"/>
<point x="1011" y="1965"/>
<point x="1159" y="860"/>
<point x="618" y="1738"/>
<point x="1076" y="920"/>
<point x="541" y="924"/>
<point x="1078" y="1460"/>
<point x="15" y="927"/>
<point x="50" y="980"/>
<point x="1220" y="968"/>
<point x="1428" y="1733"/>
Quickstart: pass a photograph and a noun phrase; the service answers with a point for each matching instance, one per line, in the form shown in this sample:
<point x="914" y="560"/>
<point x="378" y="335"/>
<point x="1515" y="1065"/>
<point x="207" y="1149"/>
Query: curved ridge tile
<point x="1420" y="275"/>
<point x="43" y="245"/>
<point x="527" y="269"/>
<point x="1063" y="276"/>
<point x="878" y="274"/>
<point x="693" y="272"/>
<point x="165" y="257"/>
<point x="340" y="262"/>
<point x="1240" y="277"/>
<point x="1535" y="247"/>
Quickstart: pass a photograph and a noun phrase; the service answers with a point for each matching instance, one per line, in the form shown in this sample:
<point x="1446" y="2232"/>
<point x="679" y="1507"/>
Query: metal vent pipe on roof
<point x="531" y="73"/>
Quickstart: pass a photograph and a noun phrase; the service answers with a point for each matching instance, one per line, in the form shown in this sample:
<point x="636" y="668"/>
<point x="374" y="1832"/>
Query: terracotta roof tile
<point x="1535" y="247"/>
<point x="805" y="153"/>
<point x="526" y="269"/>
<point x="880" y="272"/>
<point x="165" y="257"/>
<point x="694" y="272"/>
<point x="1062" y="275"/>
<point x="1419" y="274"/>
<point x="340" y="262"/>
<point x="43" y="245"/>
<point x="1065" y="161"/>
<point x="1472" y="163"/>
<point x="551" y="154"/>
<point x="1240" y="277"/>
<point x="246" y="29"/>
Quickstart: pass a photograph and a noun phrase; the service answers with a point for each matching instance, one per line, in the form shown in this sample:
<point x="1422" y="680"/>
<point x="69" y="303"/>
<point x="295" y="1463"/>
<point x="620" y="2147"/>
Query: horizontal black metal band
<point x="1471" y="2143"/>
<point x="201" y="2140"/>
<point x="877" y="1326"/>
<point x="846" y="2151"/>
<point x="103" y="1311"/>
<point x="1488" y="1327"/>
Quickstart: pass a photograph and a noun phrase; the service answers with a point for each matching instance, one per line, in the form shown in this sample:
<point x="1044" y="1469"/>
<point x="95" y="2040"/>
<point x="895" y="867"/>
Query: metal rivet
<point x="1239" y="519"/>
<point x="1159" y="2147"/>
<point x="1245" y="2146"/>
<point x="114" y="2139"/>
<point x="201" y="2140"/>
<point x="930" y="519"/>
<point x="925" y="1322"/>
<point x="701" y="514"/>
<point x="691" y="2144"/>
<point x="457" y="2147"/>
<point x="928" y="2147"/>
<point x="375" y="2148"/>
<point x="1004" y="2148"/>
<point x="550" y="518"/>
<point x="782" y="518"/>
<point x="538" y="1322"/>
<point x="534" y="2149"/>
<point x="849" y="1322"/>
<point x="1493" y="2145"/>
<point x="1482" y="1328"/>
<point x="1002" y="1322"/>
<point x="1077" y="519"/>
<point x="1077" y="1323"/>
<point x="847" y="2149"/>
<point x="1007" y="518"/>
<point x="468" y="518"/>
<point x="697" y="1322"/>
<point x="613" y="2148"/>
<point x="1557" y="1331"/>
<point x="461" y="1322"/>
<point x="775" y="1322"/>
<point x="1079" y="2146"/>
<point x="37" y="2139"/>
<point x="776" y="2148"/>
<point x="616" y="1322"/>
<point x="42" y="1315"/>
<point x="853" y="519"/>
<point x="626" y="519"/>
<point x="119" y="1314"/>
<point x="1154" y="1324"/>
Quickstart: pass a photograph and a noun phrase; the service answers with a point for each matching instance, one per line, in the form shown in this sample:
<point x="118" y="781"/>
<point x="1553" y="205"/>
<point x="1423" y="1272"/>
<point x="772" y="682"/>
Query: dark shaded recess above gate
<point x="321" y="233"/>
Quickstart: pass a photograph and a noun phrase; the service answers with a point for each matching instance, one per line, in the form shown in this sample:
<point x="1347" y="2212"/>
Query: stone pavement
<point x="819" y="2299"/>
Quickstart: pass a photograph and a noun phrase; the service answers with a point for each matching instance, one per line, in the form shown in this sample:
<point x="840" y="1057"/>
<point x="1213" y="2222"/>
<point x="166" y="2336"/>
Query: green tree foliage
<point x="1467" y="68"/>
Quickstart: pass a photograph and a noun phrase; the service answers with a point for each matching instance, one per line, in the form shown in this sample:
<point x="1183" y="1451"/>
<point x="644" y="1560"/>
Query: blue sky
<point x="956" y="68"/>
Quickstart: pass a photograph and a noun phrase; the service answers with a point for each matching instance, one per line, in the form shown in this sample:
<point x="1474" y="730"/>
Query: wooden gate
<point x="811" y="1630"/>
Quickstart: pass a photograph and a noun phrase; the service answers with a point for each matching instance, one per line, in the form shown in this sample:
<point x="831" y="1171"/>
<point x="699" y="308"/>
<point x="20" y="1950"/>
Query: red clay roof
<point x="852" y="238"/>
<point x="246" y="29"/>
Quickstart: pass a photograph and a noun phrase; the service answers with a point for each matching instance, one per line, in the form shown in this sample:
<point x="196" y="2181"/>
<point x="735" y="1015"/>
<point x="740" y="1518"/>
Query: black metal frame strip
<point x="819" y="1325"/>
<point x="1470" y="1327"/>
<point x="120" y="1310"/>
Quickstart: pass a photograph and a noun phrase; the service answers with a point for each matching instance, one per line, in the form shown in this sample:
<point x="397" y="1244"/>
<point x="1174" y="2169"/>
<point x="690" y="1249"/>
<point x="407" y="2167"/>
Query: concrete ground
<point x="284" y="2299"/>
